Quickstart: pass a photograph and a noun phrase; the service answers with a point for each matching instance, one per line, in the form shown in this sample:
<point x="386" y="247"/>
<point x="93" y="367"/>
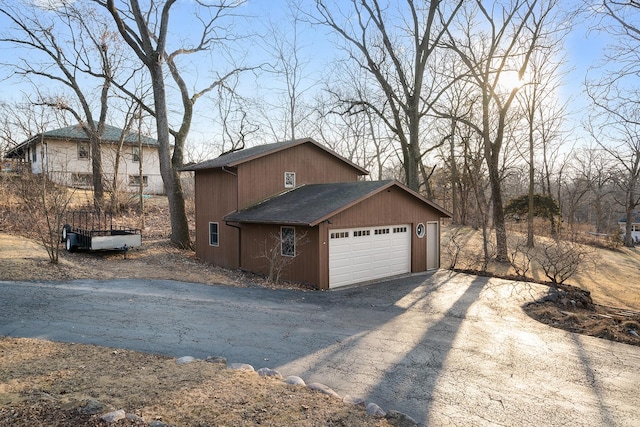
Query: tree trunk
<point x="96" y="167"/>
<point x="498" y="215"/>
<point x="492" y="157"/>
<point x="412" y="163"/>
<point x="170" y="174"/>
<point x="455" y="179"/>
<point x="631" y="204"/>
<point x="530" y="242"/>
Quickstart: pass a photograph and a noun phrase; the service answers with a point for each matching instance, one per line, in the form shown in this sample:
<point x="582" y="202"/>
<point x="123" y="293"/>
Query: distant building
<point x="635" y="226"/>
<point x="65" y="156"/>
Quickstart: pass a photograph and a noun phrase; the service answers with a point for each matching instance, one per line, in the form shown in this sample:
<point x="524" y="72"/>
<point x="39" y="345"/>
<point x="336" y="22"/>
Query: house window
<point x="213" y="234"/>
<point x="81" y="179"/>
<point x="134" y="180"/>
<point x="135" y="154"/>
<point x="83" y="150"/>
<point x="288" y="241"/>
<point x="34" y="155"/>
<point x="289" y="179"/>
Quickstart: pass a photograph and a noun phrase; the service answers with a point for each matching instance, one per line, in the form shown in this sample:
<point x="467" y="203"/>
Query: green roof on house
<point x="111" y="134"/>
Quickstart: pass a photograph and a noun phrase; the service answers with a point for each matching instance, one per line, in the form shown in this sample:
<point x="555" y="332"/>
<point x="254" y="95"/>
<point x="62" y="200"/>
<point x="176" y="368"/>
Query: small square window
<point x="288" y="241"/>
<point x="83" y="150"/>
<point x="289" y="179"/>
<point x="135" y="154"/>
<point x="213" y="234"/>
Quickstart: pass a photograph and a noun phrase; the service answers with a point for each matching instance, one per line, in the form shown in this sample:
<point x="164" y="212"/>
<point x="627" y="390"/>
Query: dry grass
<point x="43" y="383"/>
<point x="612" y="276"/>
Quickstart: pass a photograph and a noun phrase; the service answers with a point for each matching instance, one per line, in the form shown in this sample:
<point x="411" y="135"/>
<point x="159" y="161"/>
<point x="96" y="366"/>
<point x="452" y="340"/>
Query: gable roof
<point x="111" y="134"/>
<point x="314" y="203"/>
<point x="635" y="218"/>
<point x="236" y="158"/>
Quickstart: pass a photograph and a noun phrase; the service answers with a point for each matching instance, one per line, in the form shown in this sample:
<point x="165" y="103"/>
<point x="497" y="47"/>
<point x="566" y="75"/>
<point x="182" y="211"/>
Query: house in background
<point x="635" y="226"/>
<point x="65" y="156"/>
<point x="309" y="203"/>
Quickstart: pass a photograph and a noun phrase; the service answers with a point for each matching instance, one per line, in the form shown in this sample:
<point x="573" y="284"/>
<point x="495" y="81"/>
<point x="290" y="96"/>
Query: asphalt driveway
<point x="447" y="349"/>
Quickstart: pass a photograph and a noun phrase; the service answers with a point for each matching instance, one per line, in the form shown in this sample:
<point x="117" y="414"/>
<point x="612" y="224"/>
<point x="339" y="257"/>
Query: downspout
<point x="237" y="227"/>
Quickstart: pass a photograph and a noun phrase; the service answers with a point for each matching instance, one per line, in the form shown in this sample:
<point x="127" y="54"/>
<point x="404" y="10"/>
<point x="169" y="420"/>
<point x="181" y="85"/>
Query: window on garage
<point x="289" y="180"/>
<point x="288" y="241"/>
<point x="213" y="234"/>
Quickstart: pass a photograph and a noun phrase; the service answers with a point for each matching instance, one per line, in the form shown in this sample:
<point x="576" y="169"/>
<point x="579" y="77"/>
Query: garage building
<point x="303" y="204"/>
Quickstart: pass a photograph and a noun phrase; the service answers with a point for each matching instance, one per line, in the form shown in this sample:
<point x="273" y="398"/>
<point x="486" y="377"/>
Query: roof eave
<point x="268" y="222"/>
<point x="296" y="143"/>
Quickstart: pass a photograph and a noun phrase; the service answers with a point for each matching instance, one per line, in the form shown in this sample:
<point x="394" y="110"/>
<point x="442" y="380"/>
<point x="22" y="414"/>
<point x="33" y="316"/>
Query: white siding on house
<point x="64" y="166"/>
<point x="635" y="231"/>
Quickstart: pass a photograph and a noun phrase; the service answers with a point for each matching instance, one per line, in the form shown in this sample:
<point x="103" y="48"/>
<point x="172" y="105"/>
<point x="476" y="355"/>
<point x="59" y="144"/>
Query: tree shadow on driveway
<point x="396" y="364"/>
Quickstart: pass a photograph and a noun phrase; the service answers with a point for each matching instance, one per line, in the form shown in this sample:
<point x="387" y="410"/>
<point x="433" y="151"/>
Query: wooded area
<point x="464" y="102"/>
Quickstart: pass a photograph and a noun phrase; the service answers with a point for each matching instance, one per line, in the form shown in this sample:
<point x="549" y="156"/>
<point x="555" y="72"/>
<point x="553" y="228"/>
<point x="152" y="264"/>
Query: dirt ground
<point x="48" y="384"/>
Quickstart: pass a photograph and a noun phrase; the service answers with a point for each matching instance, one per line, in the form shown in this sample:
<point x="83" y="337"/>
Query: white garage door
<point x="362" y="254"/>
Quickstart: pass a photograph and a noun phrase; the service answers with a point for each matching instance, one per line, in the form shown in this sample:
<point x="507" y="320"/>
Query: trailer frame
<point x="91" y="230"/>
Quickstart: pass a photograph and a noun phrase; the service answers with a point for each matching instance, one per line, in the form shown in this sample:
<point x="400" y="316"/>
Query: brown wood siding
<point x="389" y="207"/>
<point x="264" y="177"/>
<point x="303" y="268"/>
<point x="215" y="193"/>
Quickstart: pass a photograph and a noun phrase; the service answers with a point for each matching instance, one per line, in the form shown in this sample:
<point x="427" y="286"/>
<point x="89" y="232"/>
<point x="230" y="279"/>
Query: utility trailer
<point x="94" y="231"/>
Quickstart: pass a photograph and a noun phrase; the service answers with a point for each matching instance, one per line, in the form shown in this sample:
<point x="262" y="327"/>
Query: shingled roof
<point x="314" y="203"/>
<point x="635" y="218"/>
<point x="236" y="158"/>
<point x="111" y="134"/>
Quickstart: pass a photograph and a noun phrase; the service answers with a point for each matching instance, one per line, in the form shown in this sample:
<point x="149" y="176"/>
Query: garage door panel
<point x="368" y="253"/>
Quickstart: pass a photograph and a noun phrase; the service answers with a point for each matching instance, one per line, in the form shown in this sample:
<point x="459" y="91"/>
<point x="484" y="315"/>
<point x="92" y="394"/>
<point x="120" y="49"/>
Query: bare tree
<point x="620" y="137"/>
<point x="42" y="203"/>
<point x="561" y="260"/>
<point x="498" y="47"/>
<point x="396" y="53"/>
<point x="284" y="43"/>
<point x="357" y="134"/>
<point x="615" y="94"/>
<point x="594" y="167"/>
<point x="146" y="31"/>
<point x="543" y="114"/>
<point x="233" y="112"/>
<point x="72" y="39"/>
<point x="272" y="251"/>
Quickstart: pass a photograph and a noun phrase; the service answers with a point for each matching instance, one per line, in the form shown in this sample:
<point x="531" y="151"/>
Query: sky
<point x="583" y="50"/>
